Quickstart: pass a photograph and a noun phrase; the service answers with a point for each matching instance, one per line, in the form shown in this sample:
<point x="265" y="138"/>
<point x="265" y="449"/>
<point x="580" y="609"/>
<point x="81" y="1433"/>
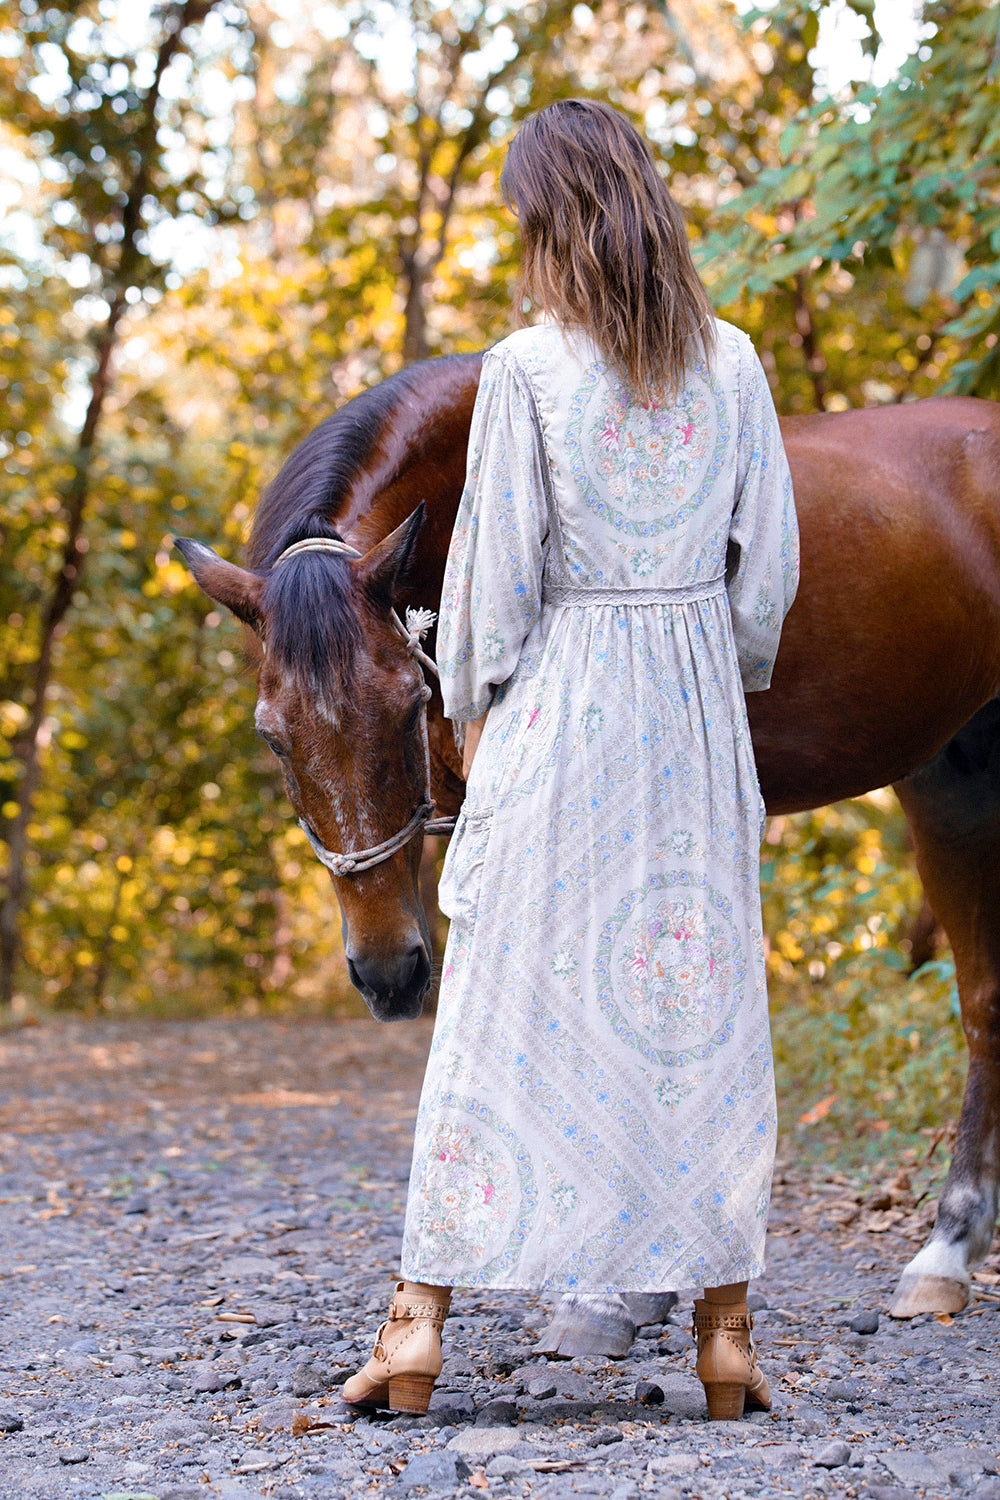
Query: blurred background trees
<point x="223" y="219"/>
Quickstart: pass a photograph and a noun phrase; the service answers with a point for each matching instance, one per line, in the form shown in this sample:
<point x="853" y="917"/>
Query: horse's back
<point x="894" y="639"/>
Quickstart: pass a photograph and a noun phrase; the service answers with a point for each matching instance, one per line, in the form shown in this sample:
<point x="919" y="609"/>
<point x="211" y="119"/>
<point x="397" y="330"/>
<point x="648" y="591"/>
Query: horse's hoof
<point x="588" y="1325"/>
<point x="650" y="1307"/>
<point x="928" y="1294"/>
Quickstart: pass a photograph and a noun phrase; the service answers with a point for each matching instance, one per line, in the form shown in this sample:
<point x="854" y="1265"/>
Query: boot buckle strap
<point x="399" y="1309"/>
<point x="709" y="1322"/>
<point x="379" y="1350"/>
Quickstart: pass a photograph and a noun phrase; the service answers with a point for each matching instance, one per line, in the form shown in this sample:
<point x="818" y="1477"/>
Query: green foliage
<point x="862" y="1048"/>
<point x="894" y="186"/>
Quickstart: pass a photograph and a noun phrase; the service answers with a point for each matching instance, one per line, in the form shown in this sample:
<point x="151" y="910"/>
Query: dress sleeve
<point x="762" y="560"/>
<point x="493" y="579"/>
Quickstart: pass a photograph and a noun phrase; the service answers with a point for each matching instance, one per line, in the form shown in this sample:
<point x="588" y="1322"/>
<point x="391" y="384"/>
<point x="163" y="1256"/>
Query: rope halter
<point x="418" y="621"/>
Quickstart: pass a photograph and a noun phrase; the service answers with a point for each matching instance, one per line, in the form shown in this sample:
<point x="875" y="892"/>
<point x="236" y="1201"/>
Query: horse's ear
<point x="380" y="568"/>
<point x="223" y="581"/>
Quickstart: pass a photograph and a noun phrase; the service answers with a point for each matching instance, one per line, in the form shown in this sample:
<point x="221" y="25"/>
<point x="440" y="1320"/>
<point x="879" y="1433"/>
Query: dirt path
<point x="198" y="1227"/>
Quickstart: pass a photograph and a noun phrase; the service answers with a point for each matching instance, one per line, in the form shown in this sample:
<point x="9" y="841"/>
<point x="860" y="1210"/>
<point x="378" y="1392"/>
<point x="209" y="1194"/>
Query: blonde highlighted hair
<point x="604" y="250"/>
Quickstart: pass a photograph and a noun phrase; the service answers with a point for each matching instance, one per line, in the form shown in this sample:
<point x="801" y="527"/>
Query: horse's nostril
<point x="393" y="981"/>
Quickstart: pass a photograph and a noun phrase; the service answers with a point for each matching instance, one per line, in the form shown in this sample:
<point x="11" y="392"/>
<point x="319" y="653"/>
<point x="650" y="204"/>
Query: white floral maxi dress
<point x="598" y="1110"/>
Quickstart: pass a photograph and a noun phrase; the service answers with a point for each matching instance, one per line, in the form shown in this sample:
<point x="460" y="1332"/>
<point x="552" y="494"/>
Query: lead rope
<point x="418" y="622"/>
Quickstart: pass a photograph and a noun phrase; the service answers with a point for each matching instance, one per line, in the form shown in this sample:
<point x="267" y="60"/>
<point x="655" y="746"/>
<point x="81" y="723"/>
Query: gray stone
<point x="437" y="1470"/>
<point x="603" y="1436"/>
<point x="10" y="1422"/>
<point x="809" y="1423"/>
<point x="833" y="1455"/>
<point x="780" y="1455"/>
<point x="756" y="1302"/>
<point x="674" y="1343"/>
<point x="271" y="1314"/>
<point x="884" y="1492"/>
<point x="479" y="1441"/>
<point x="498" y="1413"/>
<point x="915" y="1468"/>
<point x="675" y="1463"/>
<point x="277" y="1416"/>
<point x="256" y="1462"/>
<point x="842" y="1390"/>
<point x="246" y="1267"/>
<point x="505" y="1467"/>
<point x="571" y="1385"/>
<point x="648" y="1393"/>
<point x="865" y="1322"/>
<point x="176" y="1428"/>
<point x="451" y="1406"/>
<point x="209" y="1381"/>
<point x="683" y="1395"/>
<point x="650" y="1307"/>
<point x="73" y="1455"/>
<point x="306" y="1380"/>
<point x="541" y="1388"/>
<point x="137" y="1204"/>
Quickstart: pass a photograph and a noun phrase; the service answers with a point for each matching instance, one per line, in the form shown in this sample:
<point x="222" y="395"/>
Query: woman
<point x="598" y="1110"/>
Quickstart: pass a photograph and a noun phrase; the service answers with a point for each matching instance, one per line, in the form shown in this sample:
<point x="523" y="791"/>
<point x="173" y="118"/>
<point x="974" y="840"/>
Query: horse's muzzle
<point x="392" y="986"/>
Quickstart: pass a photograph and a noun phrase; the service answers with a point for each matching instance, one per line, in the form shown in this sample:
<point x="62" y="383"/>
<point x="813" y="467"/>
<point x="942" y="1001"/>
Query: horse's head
<point x="341" y="703"/>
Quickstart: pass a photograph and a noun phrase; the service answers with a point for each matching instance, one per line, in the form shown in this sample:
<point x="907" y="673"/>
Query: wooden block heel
<point x="410" y="1393"/>
<point x="727" y="1361"/>
<point x="725" y="1401"/>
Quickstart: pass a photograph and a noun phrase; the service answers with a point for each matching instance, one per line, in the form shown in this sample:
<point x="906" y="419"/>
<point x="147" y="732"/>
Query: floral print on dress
<point x="598" y="1109"/>
<point x="476" y="1188"/>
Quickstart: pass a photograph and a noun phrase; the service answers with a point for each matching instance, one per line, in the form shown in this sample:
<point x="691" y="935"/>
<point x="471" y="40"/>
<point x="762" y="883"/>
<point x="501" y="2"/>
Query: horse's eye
<point x="271" y="745"/>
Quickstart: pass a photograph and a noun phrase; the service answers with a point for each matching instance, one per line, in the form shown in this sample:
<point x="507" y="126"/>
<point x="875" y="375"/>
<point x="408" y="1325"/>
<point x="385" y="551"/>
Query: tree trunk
<point x="815" y="358"/>
<point x="75" y="503"/>
<point x="414" y="315"/>
<point x="28" y="747"/>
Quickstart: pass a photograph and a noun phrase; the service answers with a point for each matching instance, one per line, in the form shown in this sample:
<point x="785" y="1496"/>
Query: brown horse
<point x="888" y="670"/>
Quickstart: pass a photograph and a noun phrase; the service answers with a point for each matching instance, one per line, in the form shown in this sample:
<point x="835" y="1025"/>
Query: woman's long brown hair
<point x="604" y="249"/>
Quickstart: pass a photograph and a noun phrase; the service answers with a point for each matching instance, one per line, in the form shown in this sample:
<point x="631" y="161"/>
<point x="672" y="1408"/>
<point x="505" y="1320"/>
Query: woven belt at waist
<point x="689" y="593"/>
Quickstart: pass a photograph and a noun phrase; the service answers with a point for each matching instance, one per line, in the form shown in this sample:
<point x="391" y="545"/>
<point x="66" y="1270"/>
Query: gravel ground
<point x="199" y="1223"/>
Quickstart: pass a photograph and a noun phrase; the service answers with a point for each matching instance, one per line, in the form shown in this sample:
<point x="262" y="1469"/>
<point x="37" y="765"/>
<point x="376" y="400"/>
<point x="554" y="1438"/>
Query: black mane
<point x="311" y="627"/>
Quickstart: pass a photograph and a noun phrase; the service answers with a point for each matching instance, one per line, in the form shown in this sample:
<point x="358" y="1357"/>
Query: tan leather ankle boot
<point x="406" y="1359"/>
<point x="727" y="1360"/>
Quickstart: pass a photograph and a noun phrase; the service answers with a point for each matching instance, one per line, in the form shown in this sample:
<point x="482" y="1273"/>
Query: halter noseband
<point x="417" y="622"/>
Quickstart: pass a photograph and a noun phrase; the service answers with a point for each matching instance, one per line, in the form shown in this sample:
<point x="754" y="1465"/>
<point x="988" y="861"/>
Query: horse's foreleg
<point x="601" y="1324"/>
<point x="953" y="808"/>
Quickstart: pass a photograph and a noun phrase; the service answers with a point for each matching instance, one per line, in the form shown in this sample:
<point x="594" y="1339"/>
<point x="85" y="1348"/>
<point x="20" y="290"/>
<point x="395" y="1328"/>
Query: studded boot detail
<point x="406" y="1359"/>
<point x="727" y="1360"/>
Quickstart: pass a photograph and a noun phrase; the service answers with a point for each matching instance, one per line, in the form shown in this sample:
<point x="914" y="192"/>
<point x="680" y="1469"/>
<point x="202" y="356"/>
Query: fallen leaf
<point x="479" y="1481"/>
<point x="945" y="1318"/>
<point x="303" y="1424"/>
<point x="58" y="1207"/>
<point x="819" y="1111"/>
